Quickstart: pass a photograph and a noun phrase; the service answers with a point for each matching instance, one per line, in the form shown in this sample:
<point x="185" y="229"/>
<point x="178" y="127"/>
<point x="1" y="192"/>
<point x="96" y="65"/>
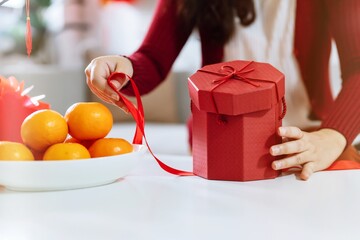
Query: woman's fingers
<point x="292" y="161"/>
<point x="314" y="151"/>
<point x="97" y="73"/>
<point x="307" y="170"/>
<point x="296" y="150"/>
<point x="290" y="147"/>
<point x="290" y="132"/>
<point x="106" y="98"/>
<point x="97" y="76"/>
<point x="122" y="105"/>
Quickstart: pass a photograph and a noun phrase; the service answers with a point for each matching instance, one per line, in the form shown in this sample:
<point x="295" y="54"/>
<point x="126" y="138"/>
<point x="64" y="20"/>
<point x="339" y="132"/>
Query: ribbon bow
<point x="229" y="72"/>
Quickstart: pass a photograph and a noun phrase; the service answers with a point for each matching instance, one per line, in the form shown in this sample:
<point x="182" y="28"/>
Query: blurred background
<point x="67" y="34"/>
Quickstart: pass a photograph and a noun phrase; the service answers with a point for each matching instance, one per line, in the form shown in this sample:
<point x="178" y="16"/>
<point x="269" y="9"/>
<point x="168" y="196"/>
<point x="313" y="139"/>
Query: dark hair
<point x="216" y="17"/>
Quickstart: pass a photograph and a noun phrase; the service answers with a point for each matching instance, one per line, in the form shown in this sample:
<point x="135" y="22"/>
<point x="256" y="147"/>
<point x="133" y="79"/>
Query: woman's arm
<point x="317" y="150"/>
<point x="344" y="19"/>
<point x="149" y="65"/>
<point x="316" y="23"/>
<point x="160" y="48"/>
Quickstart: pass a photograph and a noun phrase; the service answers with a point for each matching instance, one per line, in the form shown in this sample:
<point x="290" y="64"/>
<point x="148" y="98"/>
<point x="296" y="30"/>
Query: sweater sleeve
<point x="326" y="19"/>
<point x="345" y="114"/>
<point x="312" y="46"/>
<point x="344" y="18"/>
<point x="159" y="49"/>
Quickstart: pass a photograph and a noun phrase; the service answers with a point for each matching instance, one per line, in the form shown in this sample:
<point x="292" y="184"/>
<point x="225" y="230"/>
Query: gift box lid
<point x="236" y="87"/>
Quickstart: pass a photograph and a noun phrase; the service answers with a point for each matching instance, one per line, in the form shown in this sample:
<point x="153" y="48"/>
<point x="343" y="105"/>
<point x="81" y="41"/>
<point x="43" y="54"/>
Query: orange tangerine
<point x="88" y="120"/>
<point x="43" y="128"/>
<point x="66" y="151"/>
<point x="14" y="151"/>
<point x="109" y="147"/>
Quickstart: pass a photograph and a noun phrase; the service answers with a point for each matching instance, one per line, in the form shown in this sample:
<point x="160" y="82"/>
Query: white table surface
<point x="152" y="204"/>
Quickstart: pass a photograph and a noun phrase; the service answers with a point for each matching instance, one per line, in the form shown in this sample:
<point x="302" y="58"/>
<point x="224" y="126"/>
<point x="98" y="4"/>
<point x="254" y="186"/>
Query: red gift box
<point x="237" y="108"/>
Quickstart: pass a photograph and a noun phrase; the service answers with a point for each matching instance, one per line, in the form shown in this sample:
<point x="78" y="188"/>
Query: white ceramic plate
<point x="67" y="174"/>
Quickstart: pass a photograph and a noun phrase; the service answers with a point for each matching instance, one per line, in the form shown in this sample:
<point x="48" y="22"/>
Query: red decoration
<point x="237" y="108"/>
<point x="28" y="36"/>
<point x="15" y="106"/>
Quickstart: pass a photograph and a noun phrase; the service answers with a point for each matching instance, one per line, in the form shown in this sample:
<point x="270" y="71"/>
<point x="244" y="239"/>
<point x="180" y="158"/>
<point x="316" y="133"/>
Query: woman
<point x="317" y="22"/>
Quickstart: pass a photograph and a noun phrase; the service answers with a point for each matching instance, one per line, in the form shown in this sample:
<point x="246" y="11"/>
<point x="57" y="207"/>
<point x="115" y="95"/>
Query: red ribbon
<point x="230" y="73"/>
<point x="138" y="115"/>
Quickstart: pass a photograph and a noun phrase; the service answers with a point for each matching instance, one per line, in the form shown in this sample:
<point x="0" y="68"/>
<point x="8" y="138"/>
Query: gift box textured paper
<point x="237" y="107"/>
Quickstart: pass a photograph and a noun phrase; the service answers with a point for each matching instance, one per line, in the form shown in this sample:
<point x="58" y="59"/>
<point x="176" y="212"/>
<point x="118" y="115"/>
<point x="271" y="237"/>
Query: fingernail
<point x="282" y="130"/>
<point x="275" y="150"/>
<point x="277" y="165"/>
<point x="304" y="176"/>
<point x="115" y="96"/>
<point x="116" y="84"/>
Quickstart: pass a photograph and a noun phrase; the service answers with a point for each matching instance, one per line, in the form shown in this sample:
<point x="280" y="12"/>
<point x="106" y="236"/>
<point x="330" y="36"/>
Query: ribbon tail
<point x="138" y="136"/>
<point x="343" y="165"/>
<point x="138" y="115"/>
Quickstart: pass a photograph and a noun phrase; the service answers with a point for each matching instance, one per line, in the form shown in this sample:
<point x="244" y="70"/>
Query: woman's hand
<point x="314" y="151"/>
<point x="100" y="69"/>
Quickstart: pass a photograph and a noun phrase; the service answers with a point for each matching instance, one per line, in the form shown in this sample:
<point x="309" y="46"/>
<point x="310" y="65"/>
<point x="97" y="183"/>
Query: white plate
<point x="67" y="174"/>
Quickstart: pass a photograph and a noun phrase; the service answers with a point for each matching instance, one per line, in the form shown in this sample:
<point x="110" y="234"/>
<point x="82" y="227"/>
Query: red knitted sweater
<point x="317" y="22"/>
